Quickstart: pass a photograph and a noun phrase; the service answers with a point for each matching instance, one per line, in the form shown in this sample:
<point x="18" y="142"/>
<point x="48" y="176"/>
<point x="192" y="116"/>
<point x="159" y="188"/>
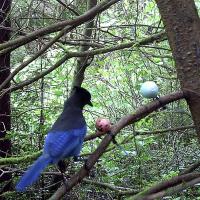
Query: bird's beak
<point x="90" y="103"/>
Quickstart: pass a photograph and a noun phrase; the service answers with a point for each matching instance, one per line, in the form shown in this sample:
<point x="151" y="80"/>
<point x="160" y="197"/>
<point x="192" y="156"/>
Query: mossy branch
<point x="16" y="160"/>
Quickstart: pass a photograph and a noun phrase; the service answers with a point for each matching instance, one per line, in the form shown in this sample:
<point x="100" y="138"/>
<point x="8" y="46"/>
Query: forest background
<point x="109" y="47"/>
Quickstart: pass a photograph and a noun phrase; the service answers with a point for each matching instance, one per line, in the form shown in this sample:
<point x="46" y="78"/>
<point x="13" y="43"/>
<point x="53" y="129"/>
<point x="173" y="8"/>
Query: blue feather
<point x="33" y="172"/>
<point x="64" y="139"/>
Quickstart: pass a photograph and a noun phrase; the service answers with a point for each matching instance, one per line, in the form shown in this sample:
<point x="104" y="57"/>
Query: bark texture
<point x="5" y="144"/>
<point x="182" y="25"/>
<point x="84" y="62"/>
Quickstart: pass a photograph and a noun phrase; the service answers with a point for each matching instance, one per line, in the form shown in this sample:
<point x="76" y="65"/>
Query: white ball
<point x="149" y="89"/>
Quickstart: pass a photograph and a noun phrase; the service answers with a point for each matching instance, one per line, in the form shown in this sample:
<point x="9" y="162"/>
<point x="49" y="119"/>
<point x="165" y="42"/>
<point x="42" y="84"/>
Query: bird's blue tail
<point x="33" y="172"/>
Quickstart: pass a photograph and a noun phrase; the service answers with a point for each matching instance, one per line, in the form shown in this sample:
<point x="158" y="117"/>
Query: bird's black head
<point x="84" y="97"/>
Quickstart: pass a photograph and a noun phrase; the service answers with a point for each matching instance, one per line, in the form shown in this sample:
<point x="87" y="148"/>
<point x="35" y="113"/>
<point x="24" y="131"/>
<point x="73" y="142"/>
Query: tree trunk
<point x="182" y="25"/>
<point x="82" y="62"/>
<point x="5" y="144"/>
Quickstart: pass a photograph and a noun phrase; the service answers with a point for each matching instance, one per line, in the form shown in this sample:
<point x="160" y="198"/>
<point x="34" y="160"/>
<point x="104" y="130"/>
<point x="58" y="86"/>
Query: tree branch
<point x="68" y="7"/>
<point x="89" y="53"/>
<point x="191" y="168"/>
<point x="169" y="187"/>
<point x="30" y="157"/>
<point x="82" y="62"/>
<point x="109" y="186"/>
<point x="123" y="122"/>
<point x="138" y="132"/>
<point x="13" y="44"/>
<point x="34" y="57"/>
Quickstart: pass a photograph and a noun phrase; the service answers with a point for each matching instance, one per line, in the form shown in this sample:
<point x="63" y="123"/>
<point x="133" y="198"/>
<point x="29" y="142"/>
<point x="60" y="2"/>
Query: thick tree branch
<point x="83" y="62"/>
<point x="30" y="157"/>
<point x="171" y="191"/>
<point x="39" y="53"/>
<point x="13" y="44"/>
<point x="182" y="25"/>
<point x="191" y="168"/>
<point x="123" y="122"/>
<point x="20" y="159"/>
<point x="169" y="187"/>
<point x="81" y="54"/>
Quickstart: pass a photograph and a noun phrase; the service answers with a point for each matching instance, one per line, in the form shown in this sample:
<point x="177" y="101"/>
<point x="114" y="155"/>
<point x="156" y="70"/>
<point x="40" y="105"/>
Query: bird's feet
<point x="62" y="166"/>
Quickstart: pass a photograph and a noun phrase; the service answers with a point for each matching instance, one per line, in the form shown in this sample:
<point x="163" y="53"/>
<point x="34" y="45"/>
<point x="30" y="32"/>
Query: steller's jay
<point x="64" y="139"/>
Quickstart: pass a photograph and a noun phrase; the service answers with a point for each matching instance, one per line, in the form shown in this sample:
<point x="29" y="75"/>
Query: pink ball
<point x="103" y="125"/>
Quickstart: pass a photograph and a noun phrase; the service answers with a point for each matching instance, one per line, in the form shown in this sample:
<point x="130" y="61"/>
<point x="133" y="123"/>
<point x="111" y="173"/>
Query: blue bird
<point x="64" y="139"/>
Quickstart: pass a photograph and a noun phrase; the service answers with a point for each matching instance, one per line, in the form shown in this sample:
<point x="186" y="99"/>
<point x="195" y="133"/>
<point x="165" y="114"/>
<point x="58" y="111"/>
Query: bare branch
<point x="89" y="53"/>
<point x="13" y="44"/>
<point x="169" y="187"/>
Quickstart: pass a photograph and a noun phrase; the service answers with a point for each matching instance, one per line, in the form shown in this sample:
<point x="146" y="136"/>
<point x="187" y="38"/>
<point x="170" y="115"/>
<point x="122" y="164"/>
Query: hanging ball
<point x="103" y="125"/>
<point x="149" y="89"/>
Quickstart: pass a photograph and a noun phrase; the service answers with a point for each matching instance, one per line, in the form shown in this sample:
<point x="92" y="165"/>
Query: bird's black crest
<point x="84" y="94"/>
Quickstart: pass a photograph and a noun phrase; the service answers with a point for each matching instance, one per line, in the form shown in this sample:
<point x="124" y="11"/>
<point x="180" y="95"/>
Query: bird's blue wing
<point x="64" y="144"/>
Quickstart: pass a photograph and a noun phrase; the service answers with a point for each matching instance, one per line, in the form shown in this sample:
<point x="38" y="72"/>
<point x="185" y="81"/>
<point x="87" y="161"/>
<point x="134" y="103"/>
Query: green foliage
<point x="114" y="80"/>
